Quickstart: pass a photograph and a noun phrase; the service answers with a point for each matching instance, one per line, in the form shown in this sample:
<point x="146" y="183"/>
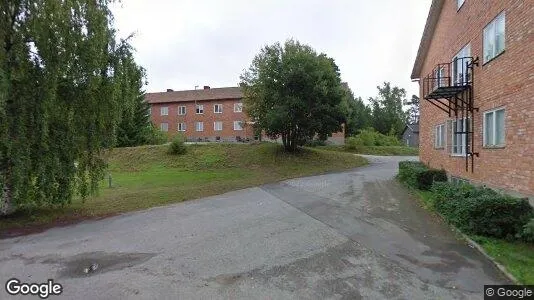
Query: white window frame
<point x="199" y="126"/>
<point x="439" y="136"/>
<point x="217" y="111"/>
<point x="164" y="126"/>
<point x="182" y="110"/>
<point x="199" y="109"/>
<point x="489" y="38"/>
<point x="459" y="4"/>
<point x="493" y="144"/>
<point x="217" y="128"/>
<point x="238" y="107"/>
<point x="150" y="111"/>
<point x="462" y="136"/>
<point x="238" y="127"/>
<point x="457" y="77"/>
<point x="164" y="111"/>
<point x="181" y="127"/>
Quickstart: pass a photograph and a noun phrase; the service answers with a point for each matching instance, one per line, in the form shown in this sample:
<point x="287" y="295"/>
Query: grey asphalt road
<point x="350" y="235"/>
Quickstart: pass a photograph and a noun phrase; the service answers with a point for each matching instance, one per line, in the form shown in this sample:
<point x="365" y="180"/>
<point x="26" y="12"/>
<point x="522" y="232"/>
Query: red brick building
<point x="207" y="115"/>
<point x="475" y="68"/>
<point x="201" y="115"/>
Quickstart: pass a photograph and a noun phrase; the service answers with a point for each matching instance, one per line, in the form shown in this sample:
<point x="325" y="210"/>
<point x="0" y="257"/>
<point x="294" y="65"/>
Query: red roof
<point x="195" y="95"/>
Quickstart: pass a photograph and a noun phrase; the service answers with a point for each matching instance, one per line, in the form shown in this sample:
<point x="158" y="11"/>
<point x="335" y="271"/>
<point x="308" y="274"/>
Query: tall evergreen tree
<point x="135" y="126"/>
<point x="59" y="99"/>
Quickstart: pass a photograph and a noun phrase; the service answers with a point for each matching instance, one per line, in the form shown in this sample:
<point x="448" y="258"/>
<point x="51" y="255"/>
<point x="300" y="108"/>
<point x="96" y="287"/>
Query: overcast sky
<point x="186" y="43"/>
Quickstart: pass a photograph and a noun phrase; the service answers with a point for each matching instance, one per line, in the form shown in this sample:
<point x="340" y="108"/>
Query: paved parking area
<point x="349" y="235"/>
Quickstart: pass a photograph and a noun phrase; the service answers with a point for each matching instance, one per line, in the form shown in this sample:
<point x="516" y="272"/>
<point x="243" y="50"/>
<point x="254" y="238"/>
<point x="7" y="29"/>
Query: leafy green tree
<point x="388" y="115"/>
<point x="59" y="99"/>
<point x="293" y="92"/>
<point x="357" y="113"/>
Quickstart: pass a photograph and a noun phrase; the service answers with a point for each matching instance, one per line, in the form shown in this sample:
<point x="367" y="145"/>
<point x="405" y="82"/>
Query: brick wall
<point x="506" y="81"/>
<point x="227" y="117"/>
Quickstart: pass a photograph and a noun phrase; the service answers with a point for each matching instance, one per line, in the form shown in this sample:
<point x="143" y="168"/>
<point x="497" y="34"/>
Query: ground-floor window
<point x="181" y="126"/>
<point x="238" y="125"/>
<point x="439" y="136"/>
<point x="164" y="126"/>
<point x="199" y="126"/>
<point x="459" y="127"/>
<point x="494" y="128"/>
<point x="217" y="126"/>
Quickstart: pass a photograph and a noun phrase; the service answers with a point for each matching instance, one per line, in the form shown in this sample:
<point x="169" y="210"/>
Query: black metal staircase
<point x="450" y="88"/>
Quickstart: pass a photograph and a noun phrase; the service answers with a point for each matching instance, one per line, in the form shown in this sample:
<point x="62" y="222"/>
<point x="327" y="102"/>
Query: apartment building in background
<point x="207" y="115"/>
<point x="201" y="115"/>
<point x="475" y="68"/>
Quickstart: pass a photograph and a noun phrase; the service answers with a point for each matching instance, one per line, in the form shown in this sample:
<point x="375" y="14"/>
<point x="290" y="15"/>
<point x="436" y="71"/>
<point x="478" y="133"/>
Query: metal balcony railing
<point x="448" y="79"/>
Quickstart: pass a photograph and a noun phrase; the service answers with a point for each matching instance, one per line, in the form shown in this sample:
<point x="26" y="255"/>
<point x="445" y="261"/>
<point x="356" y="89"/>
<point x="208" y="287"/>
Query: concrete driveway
<point x="349" y="235"/>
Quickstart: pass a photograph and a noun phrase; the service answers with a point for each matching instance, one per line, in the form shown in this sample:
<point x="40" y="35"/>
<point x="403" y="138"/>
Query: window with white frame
<point x="181" y="110"/>
<point x="200" y="108"/>
<point x="199" y="126"/>
<point x="164" y="127"/>
<point x="217" y="108"/>
<point x="460" y="3"/>
<point x="460" y="74"/>
<point x="494" y="38"/>
<point x="238" y="125"/>
<point x="164" y="111"/>
<point x="459" y="127"/>
<point x="238" y="107"/>
<point x="150" y="111"/>
<point x="439" y="136"/>
<point x="217" y="126"/>
<point x="181" y="126"/>
<point x="494" y="128"/>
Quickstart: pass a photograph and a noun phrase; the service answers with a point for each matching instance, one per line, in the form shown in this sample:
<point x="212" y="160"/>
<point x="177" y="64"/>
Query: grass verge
<point x="147" y="176"/>
<point x="375" y="150"/>
<point x="516" y="257"/>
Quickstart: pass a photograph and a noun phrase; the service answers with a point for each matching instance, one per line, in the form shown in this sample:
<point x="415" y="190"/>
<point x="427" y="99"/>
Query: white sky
<point x="186" y="43"/>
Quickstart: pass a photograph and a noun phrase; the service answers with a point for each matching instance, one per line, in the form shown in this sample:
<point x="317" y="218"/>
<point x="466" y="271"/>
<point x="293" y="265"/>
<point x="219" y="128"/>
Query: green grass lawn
<point x="516" y="257"/>
<point x="147" y="176"/>
<point x="375" y="150"/>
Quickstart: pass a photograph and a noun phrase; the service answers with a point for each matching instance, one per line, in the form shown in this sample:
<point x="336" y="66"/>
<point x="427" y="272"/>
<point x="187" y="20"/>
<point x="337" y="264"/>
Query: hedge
<point x="482" y="211"/>
<point x="419" y="176"/>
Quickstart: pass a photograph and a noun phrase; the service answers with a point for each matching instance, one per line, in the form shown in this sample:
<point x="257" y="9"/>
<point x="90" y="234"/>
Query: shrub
<point x="351" y="143"/>
<point x="419" y="176"/>
<point x="370" y="137"/>
<point x="177" y="146"/>
<point x="155" y="136"/>
<point x="528" y="232"/>
<point x="481" y="211"/>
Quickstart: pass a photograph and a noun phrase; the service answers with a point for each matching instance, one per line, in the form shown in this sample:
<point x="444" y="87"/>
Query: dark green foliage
<point x="60" y="99"/>
<point x="135" y="127"/>
<point x="177" y="146"/>
<point x="292" y="92"/>
<point x="419" y="176"/>
<point x="482" y="211"/>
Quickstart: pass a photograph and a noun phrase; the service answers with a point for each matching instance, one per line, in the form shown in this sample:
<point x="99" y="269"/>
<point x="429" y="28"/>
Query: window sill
<point x="457" y="155"/>
<point x="494" y="147"/>
<point x="493" y="58"/>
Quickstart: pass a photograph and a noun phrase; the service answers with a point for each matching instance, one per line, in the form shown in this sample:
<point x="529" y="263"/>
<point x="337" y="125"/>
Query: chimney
<point x="170" y="90"/>
<point x="206" y="87"/>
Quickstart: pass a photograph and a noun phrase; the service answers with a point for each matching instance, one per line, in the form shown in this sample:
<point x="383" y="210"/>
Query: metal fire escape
<point x="450" y="88"/>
